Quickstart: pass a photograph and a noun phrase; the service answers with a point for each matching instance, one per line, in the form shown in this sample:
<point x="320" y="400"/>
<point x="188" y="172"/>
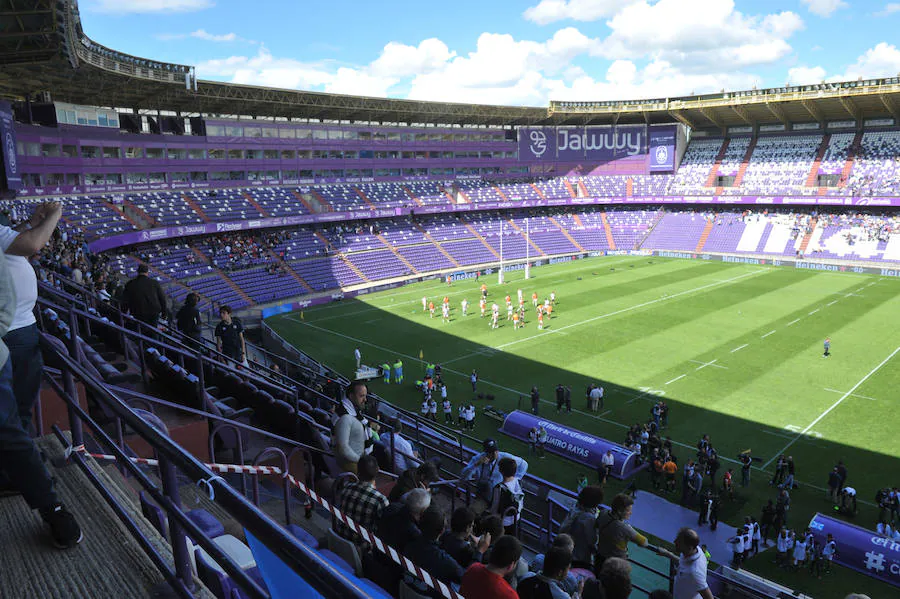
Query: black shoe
<point x="63" y="528"/>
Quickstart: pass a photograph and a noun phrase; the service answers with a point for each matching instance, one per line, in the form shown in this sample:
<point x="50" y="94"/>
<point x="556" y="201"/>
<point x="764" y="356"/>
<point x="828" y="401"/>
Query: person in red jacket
<point x="488" y="581"/>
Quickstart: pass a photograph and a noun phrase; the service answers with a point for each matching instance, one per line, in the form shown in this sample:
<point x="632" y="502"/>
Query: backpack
<point x="534" y="587"/>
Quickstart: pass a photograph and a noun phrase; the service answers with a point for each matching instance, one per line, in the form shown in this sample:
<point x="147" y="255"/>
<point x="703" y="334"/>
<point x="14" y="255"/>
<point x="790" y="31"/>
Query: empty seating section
<point x="263" y="286"/>
<point x="836" y="154"/>
<point x="341" y="197"/>
<point x="299" y="245"/>
<point x="728" y="227"/>
<point x="877" y="167"/>
<point x="386" y="195"/>
<point x="424" y="258"/>
<point x="603" y="186"/>
<point x="224" y="204"/>
<point x="429" y="192"/>
<point x="379" y="264"/>
<point x="178" y="261"/>
<point x="780" y="165"/>
<point x="698" y="160"/>
<point x="277" y="201"/>
<point x="676" y="231"/>
<point x="480" y="191"/>
<point x="734" y="155"/>
<point x="519" y="191"/>
<point x="217" y="289"/>
<point x="554" y="188"/>
<point x="651" y="185"/>
<point x="630" y="226"/>
<point x="166" y="208"/>
<point x="587" y="229"/>
<point x="94" y="216"/>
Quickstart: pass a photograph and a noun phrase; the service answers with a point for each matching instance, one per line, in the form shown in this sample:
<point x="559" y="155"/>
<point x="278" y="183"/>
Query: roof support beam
<point x="891" y="106"/>
<point x="708" y="113"/>
<point x="779" y="114"/>
<point x="679" y="116"/>
<point x="851" y="108"/>
<point x="743" y="114"/>
<point x="813" y="111"/>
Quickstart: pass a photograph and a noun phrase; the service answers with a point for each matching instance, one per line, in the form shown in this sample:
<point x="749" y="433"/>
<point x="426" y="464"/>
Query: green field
<point x="735" y="349"/>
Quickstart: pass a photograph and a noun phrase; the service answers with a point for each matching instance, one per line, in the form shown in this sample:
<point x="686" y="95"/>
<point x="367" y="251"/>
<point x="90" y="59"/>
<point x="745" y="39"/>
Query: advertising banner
<point x="572" y="444"/>
<point x="578" y="144"/>
<point x="537" y="143"/>
<point x="662" y="149"/>
<point x="860" y="549"/>
<point x="8" y="147"/>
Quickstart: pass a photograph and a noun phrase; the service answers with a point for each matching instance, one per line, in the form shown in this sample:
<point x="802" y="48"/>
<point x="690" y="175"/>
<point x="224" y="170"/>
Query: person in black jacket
<point x="144" y="297"/>
<point x="188" y="319"/>
<point x="460" y="542"/>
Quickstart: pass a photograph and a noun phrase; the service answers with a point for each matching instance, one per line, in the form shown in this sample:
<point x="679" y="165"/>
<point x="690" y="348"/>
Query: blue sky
<point x="509" y="52"/>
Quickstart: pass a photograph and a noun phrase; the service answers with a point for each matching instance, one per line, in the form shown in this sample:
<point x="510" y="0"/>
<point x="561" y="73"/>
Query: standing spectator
<point x="419" y="477"/>
<point x="508" y="497"/>
<point x="483" y="469"/>
<point x="426" y="552"/>
<point x="581" y="524"/>
<point x="783" y="546"/>
<point x="607" y="462"/>
<point x="188" y="320"/>
<point x="352" y="435"/>
<point x="834" y="485"/>
<point x="230" y="336"/>
<point x="19" y="457"/>
<point x="460" y="542"/>
<point x="828" y="552"/>
<point x="690" y="574"/>
<point x="596" y="398"/>
<point x="782" y="507"/>
<point x="532" y="440"/>
<point x="488" y="581"/>
<point x="362" y="502"/>
<point x="789" y="479"/>
<point x="560" y="397"/>
<point x="614" y="531"/>
<point x="535" y="400"/>
<point x="746" y="464"/>
<point x="542" y="438"/>
<point x="474" y="380"/>
<point x="842" y="472"/>
<point x="767" y="522"/>
<point x="357" y="356"/>
<point x="567" y="398"/>
<point x="144" y="298"/>
<point x="780" y="471"/>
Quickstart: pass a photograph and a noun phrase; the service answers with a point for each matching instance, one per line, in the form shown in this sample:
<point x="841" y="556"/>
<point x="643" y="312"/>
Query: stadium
<point x="719" y="273"/>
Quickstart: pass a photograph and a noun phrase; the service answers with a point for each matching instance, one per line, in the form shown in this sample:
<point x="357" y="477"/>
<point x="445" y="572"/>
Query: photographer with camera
<point x="484" y="469"/>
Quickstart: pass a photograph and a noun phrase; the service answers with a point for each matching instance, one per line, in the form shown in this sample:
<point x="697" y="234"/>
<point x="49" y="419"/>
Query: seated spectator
<point x="615" y="533"/>
<point x="398" y="527"/>
<point x="488" y="581"/>
<point x="508" y="497"/>
<point x="414" y="478"/>
<point x="571" y="582"/>
<point x="362" y="502"/>
<point x="615" y="578"/>
<point x="581" y="524"/>
<point x="403" y="455"/>
<point x="427" y="553"/>
<point x="460" y="542"/>
<point x="549" y="582"/>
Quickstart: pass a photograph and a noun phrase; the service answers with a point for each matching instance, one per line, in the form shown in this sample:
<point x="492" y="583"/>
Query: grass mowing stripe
<point x="833" y="406"/>
<point x="614" y="313"/>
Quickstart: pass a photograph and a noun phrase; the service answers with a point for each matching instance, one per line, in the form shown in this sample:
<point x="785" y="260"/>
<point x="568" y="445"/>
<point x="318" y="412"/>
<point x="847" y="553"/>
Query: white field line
<point x="740" y="348"/>
<point x="795" y="321"/>
<point x="772" y="332"/>
<point x="705" y="364"/>
<point x="777" y="434"/>
<point x="832" y="303"/>
<point x="813" y="312"/>
<point x="609" y="314"/>
<point x="854" y="395"/>
<point x="833" y="406"/>
<point x="679" y="377"/>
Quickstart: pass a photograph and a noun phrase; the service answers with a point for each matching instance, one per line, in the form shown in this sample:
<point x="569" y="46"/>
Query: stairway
<point x="714" y="171"/>
<point x="583" y="189"/>
<point x="234" y="286"/>
<point x="335" y="252"/>
<point x="609" y="236"/>
<point x="353" y="267"/>
<point x="479" y="237"/>
<point x="138" y="214"/>
<point x="503" y="196"/>
<point x="437" y="244"/>
<point x="851" y="159"/>
<point x="397" y="253"/>
<point x="629" y="187"/>
<point x="195" y="207"/>
<point x="539" y="192"/>
<point x="123" y="214"/>
<point x="363" y="197"/>
<point x="303" y="201"/>
<point x="805" y="242"/>
<point x="578" y="221"/>
<point x="571" y="189"/>
<point x="450" y="197"/>
<point x="704" y="236"/>
<point x="566" y="233"/>
<point x="745" y="163"/>
<point x="292" y="272"/>
<point x="813" y="176"/>
<point x="255" y="204"/>
<point x="412" y="196"/>
<point x="530" y="241"/>
<point x="319" y="203"/>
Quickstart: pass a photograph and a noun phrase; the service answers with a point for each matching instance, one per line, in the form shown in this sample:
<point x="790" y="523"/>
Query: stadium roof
<point x="44" y="49"/>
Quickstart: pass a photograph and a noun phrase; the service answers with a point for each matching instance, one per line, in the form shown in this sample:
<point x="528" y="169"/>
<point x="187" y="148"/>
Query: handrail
<point x="296" y="556"/>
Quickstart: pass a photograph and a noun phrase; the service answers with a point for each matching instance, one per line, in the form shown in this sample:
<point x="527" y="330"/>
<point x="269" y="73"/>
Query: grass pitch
<point x="735" y="349"/>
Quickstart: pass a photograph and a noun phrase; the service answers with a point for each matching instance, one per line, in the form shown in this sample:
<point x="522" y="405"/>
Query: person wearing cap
<point x="144" y="297"/>
<point x="484" y="469"/>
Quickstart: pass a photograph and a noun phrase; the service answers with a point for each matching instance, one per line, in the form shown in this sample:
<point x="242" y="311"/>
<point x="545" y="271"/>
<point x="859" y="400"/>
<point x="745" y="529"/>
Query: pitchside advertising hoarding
<point x="8" y="147"/>
<point x="599" y="144"/>
<point x="860" y="549"/>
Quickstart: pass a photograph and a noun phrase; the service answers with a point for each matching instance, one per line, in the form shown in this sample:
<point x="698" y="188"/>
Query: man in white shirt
<point x="358" y="356"/>
<point x="596" y="397"/>
<point x="606" y="463"/>
<point x="403" y="453"/>
<point x="690" y="575"/>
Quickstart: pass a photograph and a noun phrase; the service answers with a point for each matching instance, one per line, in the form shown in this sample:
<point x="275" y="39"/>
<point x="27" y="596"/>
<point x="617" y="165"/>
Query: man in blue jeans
<point x="21" y="468"/>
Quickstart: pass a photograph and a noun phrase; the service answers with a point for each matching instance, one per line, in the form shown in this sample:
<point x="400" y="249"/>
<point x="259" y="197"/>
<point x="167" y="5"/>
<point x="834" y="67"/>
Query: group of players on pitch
<point x="544" y="310"/>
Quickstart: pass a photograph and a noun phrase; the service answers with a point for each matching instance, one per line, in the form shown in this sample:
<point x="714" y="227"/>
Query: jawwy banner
<point x="860" y="549"/>
<point x="8" y="147"/>
<point x="572" y="444"/>
<point x="662" y="149"/>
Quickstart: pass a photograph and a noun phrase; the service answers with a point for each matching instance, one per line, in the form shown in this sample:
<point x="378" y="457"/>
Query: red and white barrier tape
<point x="364" y="533"/>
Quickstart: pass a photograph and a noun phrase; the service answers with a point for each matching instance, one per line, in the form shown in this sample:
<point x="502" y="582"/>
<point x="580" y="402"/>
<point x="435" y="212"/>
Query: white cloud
<point x="805" y="75"/>
<point x="550" y="11"/>
<point x="401" y="60"/>
<point x="889" y="9"/>
<point x="883" y="60"/>
<point x="202" y="34"/>
<point x="824" y="8"/>
<point x="146" y="6"/>
<point x="669" y="30"/>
